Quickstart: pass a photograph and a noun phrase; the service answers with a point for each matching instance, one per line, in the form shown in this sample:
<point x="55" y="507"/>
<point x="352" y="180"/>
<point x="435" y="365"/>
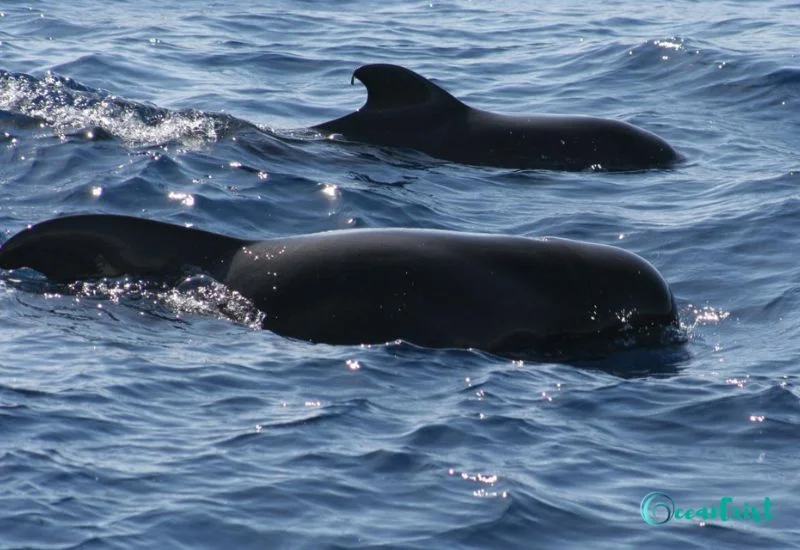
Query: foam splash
<point x="67" y="107"/>
<point x="194" y="295"/>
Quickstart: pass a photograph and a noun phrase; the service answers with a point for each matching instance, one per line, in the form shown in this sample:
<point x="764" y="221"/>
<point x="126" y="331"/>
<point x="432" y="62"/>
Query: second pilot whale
<point x="405" y="109"/>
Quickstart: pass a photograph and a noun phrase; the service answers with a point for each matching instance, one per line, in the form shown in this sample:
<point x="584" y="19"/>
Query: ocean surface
<point x="141" y="417"/>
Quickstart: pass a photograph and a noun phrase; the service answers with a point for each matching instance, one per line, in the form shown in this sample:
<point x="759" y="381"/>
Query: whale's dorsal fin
<point x="395" y="87"/>
<point x="105" y="245"/>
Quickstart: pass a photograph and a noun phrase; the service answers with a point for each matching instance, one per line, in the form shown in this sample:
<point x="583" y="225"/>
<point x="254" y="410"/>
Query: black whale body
<point x="502" y="294"/>
<point x="404" y="109"/>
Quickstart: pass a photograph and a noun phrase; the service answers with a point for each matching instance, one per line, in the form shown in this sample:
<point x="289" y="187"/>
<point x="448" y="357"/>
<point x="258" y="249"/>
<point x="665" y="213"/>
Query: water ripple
<point x="137" y="415"/>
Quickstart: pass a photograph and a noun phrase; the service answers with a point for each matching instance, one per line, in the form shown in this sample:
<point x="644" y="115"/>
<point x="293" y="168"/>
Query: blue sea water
<point x="140" y="417"/>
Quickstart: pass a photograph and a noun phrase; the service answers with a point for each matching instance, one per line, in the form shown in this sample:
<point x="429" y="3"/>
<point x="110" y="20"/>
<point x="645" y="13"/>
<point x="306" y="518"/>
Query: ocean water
<point x="140" y="417"/>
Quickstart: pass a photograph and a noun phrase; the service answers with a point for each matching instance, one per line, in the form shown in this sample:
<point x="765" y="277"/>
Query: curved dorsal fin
<point x="393" y="86"/>
<point x="106" y="245"/>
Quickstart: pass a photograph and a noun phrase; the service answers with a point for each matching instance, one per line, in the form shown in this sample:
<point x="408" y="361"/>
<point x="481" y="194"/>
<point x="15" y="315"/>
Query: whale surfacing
<point x="404" y="109"/>
<point x="502" y="294"/>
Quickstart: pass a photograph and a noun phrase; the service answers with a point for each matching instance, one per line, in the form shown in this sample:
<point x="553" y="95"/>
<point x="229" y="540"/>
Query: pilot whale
<point x="405" y="109"/>
<point x="502" y="294"/>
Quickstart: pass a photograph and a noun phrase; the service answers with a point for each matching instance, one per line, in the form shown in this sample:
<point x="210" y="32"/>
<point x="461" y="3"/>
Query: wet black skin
<point x="433" y="288"/>
<point x="404" y="109"/>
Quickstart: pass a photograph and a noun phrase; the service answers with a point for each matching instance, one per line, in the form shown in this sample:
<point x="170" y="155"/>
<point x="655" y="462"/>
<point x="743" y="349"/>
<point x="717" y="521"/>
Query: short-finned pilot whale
<point x="405" y="109"/>
<point x="434" y="288"/>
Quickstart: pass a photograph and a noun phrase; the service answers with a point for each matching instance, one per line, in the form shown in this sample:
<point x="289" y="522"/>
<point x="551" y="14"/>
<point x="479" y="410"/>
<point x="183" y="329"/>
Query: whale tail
<point x="392" y="88"/>
<point x="92" y="246"/>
